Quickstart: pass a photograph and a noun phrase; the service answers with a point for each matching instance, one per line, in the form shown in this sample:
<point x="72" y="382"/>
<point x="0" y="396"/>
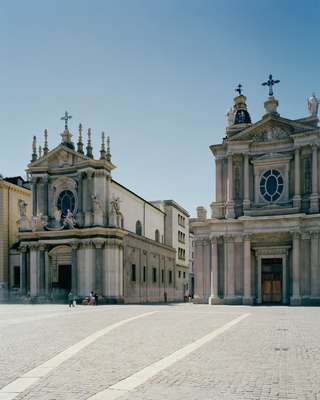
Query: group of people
<point x="91" y="300"/>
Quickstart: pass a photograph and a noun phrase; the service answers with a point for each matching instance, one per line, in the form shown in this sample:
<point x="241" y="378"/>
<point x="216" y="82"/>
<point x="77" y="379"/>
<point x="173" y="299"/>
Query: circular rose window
<point x="271" y="185"/>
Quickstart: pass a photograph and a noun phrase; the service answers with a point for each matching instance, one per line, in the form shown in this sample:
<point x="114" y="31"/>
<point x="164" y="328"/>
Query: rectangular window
<point x="133" y="272"/>
<point x="144" y="273"/>
<point x="170" y="276"/>
<point x="154" y="275"/>
<point x="184" y="275"/>
<point x="162" y="276"/>
<point x="16" y="277"/>
<point x="179" y="274"/>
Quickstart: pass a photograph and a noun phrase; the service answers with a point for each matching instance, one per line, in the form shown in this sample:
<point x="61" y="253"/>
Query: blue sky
<point x="158" y="76"/>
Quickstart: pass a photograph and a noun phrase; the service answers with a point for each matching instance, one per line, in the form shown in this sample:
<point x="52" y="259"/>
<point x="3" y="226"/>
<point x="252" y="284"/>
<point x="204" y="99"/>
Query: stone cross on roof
<point x="270" y="83"/>
<point x="65" y="118"/>
<point x="239" y="89"/>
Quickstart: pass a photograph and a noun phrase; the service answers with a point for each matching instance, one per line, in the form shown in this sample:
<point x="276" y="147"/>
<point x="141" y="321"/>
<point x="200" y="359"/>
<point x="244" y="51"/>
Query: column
<point x="199" y="287"/>
<point x="88" y="194"/>
<point x="23" y="270"/>
<point x="47" y="274"/>
<point x="284" y="279"/>
<point x="247" y="291"/>
<point x="99" y="266"/>
<point x="218" y="180"/>
<point x="45" y="195"/>
<point x="229" y="268"/>
<point x="34" y="197"/>
<point x="34" y="270"/>
<point x="246" y="200"/>
<point x="41" y="291"/>
<point x="259" y="291"/>
<point x="74" y="267"/>
<point x="214" y="298"/>
<point x="230" y="203"/>
<point x="296" y="298"/>
<point x="314" y="200"/>
<point x="297" y="190"/>
<point x="315" y="268"/>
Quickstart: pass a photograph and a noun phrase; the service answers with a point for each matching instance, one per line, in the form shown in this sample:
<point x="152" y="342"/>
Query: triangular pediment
<point x="271" y="128"/>
<point x="61" y="156"/>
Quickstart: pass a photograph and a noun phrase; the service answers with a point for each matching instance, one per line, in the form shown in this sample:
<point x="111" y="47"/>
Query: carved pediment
<point x="59" y="157"/>
<point x="271" y="128"/>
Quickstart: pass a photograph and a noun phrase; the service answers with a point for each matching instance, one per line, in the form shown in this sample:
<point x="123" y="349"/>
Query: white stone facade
<point x="261" y="243"/>
<point x="90" y="233"/>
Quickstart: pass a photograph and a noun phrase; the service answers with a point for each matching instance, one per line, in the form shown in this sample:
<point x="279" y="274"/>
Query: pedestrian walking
<point x="70" y="299"/>
<point x="96" y="298"/>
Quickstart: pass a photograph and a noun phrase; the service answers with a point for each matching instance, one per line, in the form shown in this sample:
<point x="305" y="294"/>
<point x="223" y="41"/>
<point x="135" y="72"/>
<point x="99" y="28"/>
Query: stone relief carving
<point x="271" y="133"/>
<point x="98" y="204"/>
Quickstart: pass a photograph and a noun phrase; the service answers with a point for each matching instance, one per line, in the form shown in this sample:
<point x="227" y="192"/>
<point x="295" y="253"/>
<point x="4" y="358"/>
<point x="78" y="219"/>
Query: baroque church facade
<point x="261" y="244"/>
<point x="90" y="233"/>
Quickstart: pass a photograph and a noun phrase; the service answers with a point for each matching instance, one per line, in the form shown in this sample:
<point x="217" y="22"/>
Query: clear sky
<point x="157" y="76"/>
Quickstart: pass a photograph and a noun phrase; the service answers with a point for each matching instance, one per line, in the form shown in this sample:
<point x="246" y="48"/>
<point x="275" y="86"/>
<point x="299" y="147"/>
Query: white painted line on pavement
<point x="132" y="382"/>
<point x="20" y="384"/>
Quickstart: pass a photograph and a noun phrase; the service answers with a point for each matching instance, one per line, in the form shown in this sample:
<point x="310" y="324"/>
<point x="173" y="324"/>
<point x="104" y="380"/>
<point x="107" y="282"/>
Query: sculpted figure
<point x="313" y="104"/>
<point x="230" y="116"/>
<point x="57" y="215"/>
<point x="22" y="208"/>
<point x="115" y="211"/>
<point x="69" y="220"/>
<point x="97" y="204"/>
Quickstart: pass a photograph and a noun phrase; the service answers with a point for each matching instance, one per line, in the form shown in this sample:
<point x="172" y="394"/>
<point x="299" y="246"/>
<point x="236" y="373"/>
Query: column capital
<point x="214" y="239"/>
<point x="315" y="234"/>
<point x="314" y="146"/>
<point x="42" y="247"/>
<point x="34" y="246"/>
<point x="229" y="238"/>
<point x="75" y="244"/>
<point x="246" y="237"/>
<point x="99" y="243"/>
<point x="296" y="235"/>
<point x="23" y="248"/>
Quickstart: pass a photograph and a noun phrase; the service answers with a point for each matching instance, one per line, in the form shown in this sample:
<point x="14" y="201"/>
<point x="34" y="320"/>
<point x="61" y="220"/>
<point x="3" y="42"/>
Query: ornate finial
<point x="45" y="147"/>
<point x="270" y="82"/>
<point x="34" y="149"/>
<point x="80" y="143"/>
<point x="108" y="156"/>
<point x="65" y="118"/>
<point x="40" y="151"/>
<point x="239" y="89"/>
<point x="103" y="150"/>
<point x="89" y="147"/>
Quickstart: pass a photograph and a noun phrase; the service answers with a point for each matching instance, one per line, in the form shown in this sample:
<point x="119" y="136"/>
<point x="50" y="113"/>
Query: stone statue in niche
<point x="313" y="105"/>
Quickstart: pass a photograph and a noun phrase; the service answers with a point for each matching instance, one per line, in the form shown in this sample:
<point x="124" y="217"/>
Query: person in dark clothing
<point x="96" y="298"/>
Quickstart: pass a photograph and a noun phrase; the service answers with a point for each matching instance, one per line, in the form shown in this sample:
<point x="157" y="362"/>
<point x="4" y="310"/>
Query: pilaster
<point x="247" y="297"/>
<point x="296" y="296"/>
<point x="315" y="268"/>
<point x="23" y="270"/>
<point x="297" y="179"/>
<point x="246" y="200"/>
<point x="230" y="201"/>
<point x="314" y="198"/>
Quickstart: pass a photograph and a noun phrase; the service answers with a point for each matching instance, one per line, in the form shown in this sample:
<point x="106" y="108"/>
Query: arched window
<point x="66" y="201"/>
<point x="157" y="235"/>
<point x="138" y="228"/>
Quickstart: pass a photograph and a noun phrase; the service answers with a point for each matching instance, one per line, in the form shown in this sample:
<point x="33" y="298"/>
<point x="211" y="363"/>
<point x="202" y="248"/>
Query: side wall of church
<point x="149" y="271"/>
<point x="134" y="208"/>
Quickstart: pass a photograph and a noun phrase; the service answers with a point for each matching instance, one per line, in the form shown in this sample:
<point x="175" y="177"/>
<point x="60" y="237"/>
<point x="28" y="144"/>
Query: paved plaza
<point x="159" y="352"/>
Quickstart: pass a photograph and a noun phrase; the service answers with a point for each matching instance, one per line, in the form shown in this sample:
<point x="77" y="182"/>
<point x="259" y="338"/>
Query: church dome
<point x="242" y="117"/>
